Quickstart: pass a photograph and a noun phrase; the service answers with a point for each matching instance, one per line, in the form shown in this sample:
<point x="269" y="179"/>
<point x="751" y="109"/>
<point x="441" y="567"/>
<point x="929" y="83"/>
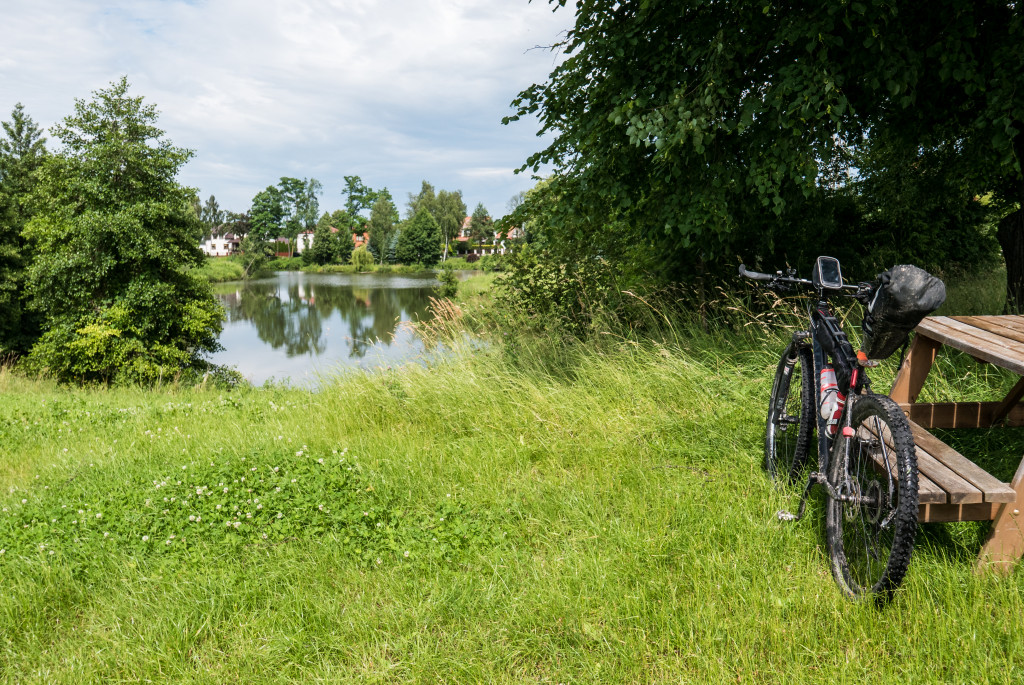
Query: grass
<point x="978" y="294"/>
<point x="220" y="269"/>
<point x="607" y="521"/>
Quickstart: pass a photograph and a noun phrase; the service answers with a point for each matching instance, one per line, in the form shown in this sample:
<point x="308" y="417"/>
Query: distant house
<point x="514" y="233"/>
<point x="360" y="239"/>
<point x="304" y="241"/>
<point x="220" y="245"/>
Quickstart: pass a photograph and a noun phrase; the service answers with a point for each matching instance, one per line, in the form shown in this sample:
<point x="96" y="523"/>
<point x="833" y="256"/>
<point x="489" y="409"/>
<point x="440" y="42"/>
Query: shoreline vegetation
<point x="221" y="269"/>
<point x="546" y="510"/>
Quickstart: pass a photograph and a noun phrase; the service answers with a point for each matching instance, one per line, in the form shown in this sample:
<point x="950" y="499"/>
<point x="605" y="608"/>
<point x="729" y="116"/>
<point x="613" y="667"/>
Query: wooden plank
<point x="982" y="344"/>
<point x="960" y="414"/>
<point x="992" y="324"/>
<point x="974" y="341"/>
<point x="928" y="492"/>
<point x="1014" y="321"/>
<point x="993" y="489"/>
<point x="946" y="513"/>
<point x="958" y="490"/>
<point x="949" y="414"/>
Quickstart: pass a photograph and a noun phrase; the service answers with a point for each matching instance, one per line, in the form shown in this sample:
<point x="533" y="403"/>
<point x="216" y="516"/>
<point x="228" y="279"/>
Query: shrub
<point x="559" y="294"/>
<point x="449" y="282"/>
<point x="362" y="259"/>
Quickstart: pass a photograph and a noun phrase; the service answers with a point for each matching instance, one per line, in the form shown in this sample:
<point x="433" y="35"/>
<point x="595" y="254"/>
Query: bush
<point x="555" y="294"/>
<point x="362" y="259"/>
<point x="456" y="263"/>
<point x="285" y="264"/>
<point x="449" y="282"/>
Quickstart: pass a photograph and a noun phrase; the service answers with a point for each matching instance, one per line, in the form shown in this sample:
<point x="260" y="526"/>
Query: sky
<point x="393" y="91"/>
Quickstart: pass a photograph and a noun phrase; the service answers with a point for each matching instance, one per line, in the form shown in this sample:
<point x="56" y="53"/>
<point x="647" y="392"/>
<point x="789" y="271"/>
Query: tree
<point x="256" y="252"/>
<point x="516" y="200"/>
<point x="238" y="223"/>
<point x="480" y="225"/>
<point x="115" y="245"/>
<point x="358" y="196"/>
<point x="22" y="152"/>
<point x="267" y="213"/>
<point x="361" y="258"/>
<point x="324" y="249"/>
<point x="212" y="216"/>
<point x="300" y="204"/>
<point x="420" y="240"/>
<point x="382" y="227"/>
<point x="705" y="128"/>
<point x="425" y="199"/>
<point x="342" y="220"/>
<point x="451" y="212"/>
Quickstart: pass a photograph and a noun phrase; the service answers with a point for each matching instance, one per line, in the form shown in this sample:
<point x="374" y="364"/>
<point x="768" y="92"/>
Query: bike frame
<point x="827" y="340"/>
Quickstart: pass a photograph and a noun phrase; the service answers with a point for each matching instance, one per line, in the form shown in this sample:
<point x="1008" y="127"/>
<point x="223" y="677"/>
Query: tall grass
<point x="604" y="521"/>
<point x="220" y="269"/>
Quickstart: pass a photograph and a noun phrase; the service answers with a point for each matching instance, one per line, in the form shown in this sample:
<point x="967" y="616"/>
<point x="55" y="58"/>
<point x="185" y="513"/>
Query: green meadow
<point x="492" y="517"/>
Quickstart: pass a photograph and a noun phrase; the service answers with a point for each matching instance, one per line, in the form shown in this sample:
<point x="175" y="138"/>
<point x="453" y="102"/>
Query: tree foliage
<point x="116" y="244"/>
<point x="383" y="218"/>
<point x="481" y="227"/>
<point x="425" y="199"/>
<point x="324" y="249"/>
<point x="212" y="216"/>
<point x="709" y="129"/>
<point x="451" y="212"/>
<point x="359" y="197"/>
<point x="267" y="213"/>
<point x="22" y="152"/>
<point x="420" y="240"/>
<point x="301" y="204"/>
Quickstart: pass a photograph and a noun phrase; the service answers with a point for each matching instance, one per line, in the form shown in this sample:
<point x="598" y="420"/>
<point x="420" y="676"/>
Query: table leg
<point x="910" y="377"/>
<point x="1005" y="544"/>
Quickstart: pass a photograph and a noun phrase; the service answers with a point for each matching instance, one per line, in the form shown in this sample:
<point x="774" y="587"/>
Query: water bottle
<point x="832" y="401"/>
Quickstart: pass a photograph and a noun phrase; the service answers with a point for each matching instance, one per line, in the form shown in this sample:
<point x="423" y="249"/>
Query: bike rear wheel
<point x="790" y="424"/>
<point x="871" y="536"/>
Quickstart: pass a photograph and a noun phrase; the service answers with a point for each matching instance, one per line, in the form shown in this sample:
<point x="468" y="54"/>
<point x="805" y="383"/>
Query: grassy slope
<point x="617" y="528"/>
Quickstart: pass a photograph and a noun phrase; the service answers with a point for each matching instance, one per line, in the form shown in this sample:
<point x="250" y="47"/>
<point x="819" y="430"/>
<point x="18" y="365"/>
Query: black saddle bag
<point x="903" y="296"/>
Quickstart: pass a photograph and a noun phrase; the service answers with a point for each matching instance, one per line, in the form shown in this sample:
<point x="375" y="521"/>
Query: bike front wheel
<point x="872" y="524"/>
<point x="791" y="417"/>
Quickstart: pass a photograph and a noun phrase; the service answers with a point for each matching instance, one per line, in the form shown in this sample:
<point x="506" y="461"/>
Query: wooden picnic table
<point x="951" y="486"/>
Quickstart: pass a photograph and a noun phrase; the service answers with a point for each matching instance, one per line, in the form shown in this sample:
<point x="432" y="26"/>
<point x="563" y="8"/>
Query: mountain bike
<point x="866" y="460"/>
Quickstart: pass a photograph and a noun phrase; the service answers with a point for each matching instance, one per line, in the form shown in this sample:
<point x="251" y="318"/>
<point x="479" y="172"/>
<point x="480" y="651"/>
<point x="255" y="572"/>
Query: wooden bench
<point x="951" y="486"/>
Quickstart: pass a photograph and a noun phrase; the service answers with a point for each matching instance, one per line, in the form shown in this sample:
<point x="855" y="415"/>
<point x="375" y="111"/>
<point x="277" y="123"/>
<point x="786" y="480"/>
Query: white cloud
<point x="394" y="91"/>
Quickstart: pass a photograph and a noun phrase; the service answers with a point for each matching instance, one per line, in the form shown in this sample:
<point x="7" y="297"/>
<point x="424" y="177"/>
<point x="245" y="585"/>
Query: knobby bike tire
<point x="870" y="542"/>
<point x="791" y="417"/>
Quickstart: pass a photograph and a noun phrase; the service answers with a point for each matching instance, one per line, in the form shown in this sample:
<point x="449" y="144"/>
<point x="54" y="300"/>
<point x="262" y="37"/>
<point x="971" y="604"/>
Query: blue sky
<point x="394" y="91"/>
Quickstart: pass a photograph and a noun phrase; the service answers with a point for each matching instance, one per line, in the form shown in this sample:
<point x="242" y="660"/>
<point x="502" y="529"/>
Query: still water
<point x="296" y="327"/>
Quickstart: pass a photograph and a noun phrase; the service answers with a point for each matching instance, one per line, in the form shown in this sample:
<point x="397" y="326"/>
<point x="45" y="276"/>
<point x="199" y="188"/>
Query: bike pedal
<point x="786" y="516"/>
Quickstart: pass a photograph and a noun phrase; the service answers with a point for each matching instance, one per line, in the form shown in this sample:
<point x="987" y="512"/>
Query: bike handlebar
<point x="753" y="274"/>
<point x="779" y="281"/>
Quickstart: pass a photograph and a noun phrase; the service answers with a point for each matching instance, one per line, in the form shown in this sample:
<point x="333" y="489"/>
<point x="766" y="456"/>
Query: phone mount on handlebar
<point x="826" y="274"/>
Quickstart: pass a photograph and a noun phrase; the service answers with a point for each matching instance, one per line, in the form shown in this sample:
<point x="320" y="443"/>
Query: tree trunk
<point x="1011" y="240"/>
<point x="1010" y="235"/>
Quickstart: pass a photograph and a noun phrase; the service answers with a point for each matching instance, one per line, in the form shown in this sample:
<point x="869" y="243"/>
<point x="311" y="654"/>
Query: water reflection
<point x="295" y="325"/>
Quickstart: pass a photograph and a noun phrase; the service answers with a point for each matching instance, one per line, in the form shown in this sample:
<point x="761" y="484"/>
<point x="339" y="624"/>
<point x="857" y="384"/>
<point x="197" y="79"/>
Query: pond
<point x="296" y="327"/>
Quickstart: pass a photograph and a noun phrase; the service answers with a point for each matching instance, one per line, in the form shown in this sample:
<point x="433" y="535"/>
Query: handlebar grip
<point x="753" y="274"/>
